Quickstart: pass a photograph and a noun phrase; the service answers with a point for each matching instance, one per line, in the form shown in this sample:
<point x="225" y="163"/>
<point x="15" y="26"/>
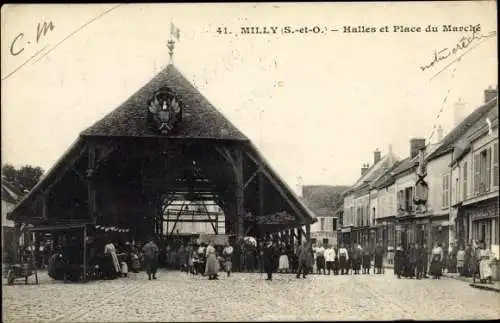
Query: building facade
<point x="475" y="182"/>
<point x="323" y="201"/>
<point x="361" y="201"/>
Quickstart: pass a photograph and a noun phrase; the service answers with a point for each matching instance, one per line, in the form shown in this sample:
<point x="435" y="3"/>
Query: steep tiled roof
<point x="200" y="119"/>
<point x="323" y="199"/>
<point x="406" y="164"/>
<point x="375" y="171"/>
<point x="479" y="128"/>
<point x="457" y="132"/>
<point x="388" y="177"/>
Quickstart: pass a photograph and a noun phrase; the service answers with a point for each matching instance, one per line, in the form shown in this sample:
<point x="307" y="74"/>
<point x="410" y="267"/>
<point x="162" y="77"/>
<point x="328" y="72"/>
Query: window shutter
<point x="476" y="173"/>
<point x="495" y="165"/>
<point x="465" y="180"/>
<point x="487" y="180"/>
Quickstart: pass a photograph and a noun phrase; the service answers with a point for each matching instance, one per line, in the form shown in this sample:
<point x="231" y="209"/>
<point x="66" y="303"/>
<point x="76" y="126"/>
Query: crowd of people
<point x="474" y="260"/>
<point x="117" y="258"/>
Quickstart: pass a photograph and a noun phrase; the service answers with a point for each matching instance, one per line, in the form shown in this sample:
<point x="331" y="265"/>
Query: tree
<point x="22" y="179"/>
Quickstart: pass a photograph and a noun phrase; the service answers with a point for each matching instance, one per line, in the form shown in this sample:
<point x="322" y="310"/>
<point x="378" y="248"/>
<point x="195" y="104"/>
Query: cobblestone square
<point x="176" y="296"/>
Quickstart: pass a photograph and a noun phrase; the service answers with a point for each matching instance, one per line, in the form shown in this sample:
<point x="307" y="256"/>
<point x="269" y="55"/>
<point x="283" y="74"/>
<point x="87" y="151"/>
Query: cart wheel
<point x="10" y="277"/>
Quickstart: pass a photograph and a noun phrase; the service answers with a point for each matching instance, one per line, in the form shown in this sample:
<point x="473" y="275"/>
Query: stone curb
<point x="485" y="287"/>
<point x="475" y="285"/>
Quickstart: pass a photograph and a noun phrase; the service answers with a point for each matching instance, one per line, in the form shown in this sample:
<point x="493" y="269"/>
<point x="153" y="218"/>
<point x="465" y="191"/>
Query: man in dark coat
<point x="306" y="259"/>
<point x="150" y="253"/>
<point x="413" y="255"/>
<point x="269" y="254"/>
<point x="399" y="261"/>
<point x="379" y="258"/>
<point x="421" y="261"/>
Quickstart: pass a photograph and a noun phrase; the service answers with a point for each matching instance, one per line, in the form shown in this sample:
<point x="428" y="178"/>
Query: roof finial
<point x="170" y="46"/>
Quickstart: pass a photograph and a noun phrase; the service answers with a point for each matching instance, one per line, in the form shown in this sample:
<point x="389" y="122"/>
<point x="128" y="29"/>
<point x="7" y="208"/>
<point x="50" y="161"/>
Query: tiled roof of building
<point x="388" y="177"/>
<point x="405" y="165"/>
<point x="451" y="138"/>
<point x="323" y="199"/>
<point x="200" y="119"/>
<point x="374" y="172"/>
<point x="478" y="129"/>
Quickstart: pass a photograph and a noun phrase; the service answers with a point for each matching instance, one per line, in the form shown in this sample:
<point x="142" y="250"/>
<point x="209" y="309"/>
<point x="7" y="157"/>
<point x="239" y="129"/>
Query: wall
<point x="386" y="201"/>
<point x="403" y="181"/>
<point x="348" y="213"/>
<point x="436" y="169"/>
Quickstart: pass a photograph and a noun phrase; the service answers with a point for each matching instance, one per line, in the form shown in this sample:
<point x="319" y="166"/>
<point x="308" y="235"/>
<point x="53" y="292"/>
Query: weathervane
<point x="174" y="32"/>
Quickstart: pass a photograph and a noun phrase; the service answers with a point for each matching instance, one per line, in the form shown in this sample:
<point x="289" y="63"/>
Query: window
<point x="457" y="190"/>
<point x="334" y="224"/>
<point x="482" y="173"/>
<point x="446" y="191"/>
<point x="465" y="181"/>
<point x="408" y="196"/>
<point x="322" y="224"/>
<point x="367" y="215"/>
<point x="401" y="195"/>
<point x="495" y="165"/>
<point x="373" y="216"/>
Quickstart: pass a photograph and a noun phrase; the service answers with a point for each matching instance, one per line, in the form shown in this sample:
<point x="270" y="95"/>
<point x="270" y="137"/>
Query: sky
<point x="316" y="105"/>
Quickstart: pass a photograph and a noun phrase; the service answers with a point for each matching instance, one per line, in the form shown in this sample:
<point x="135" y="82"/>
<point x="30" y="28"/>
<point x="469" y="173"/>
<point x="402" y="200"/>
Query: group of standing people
<point x="470" y="261"/>
<point x="353" y="259"/>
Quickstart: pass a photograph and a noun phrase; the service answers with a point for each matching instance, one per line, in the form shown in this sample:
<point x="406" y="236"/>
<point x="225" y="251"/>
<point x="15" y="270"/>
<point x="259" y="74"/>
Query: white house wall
<point x="436" y="169"/>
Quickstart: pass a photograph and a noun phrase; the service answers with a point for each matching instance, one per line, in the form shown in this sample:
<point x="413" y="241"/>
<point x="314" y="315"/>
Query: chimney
<point x="490" y="93"/>
<point x="376" y="156"/>
<point x="458" y="111"/>
<point x="364" y="169"/>
<point x="416" y="144"/>
<point x="440" y="133"/>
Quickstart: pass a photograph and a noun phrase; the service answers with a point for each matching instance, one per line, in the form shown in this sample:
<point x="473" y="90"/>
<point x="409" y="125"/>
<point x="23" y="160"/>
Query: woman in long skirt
<point x="436" y="261"/>
<point x="212" y="266"/>
<point x="283" y="264"/>
<point x="112" y="259"/>
<point x="485" y="270"/>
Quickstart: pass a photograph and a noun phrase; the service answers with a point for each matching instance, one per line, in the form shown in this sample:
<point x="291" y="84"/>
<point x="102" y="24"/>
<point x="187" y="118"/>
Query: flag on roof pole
<point x="175" y="32"/>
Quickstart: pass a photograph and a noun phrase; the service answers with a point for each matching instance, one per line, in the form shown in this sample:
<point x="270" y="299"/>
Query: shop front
<point x="483" y="223"/>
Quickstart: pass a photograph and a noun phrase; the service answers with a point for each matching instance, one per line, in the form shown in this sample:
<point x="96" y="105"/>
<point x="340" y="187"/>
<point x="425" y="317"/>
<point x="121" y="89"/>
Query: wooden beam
<point x="58" y="176"/>
<point x="251" y="178"/>
<point x="277" y="187"/>
<point x="84" y="253"/>
<point x="178" y="215"/>
<point x="44" y="205"/>
<point x="80" y="175"/>
<point x="90" y="175"/>
<point x="223" y="151"/>
<point x="240" y="191"/>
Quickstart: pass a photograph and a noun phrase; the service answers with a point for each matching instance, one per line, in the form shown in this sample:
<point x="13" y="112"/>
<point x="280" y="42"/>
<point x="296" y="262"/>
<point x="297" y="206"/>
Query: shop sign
<point x="346" y="230"/>
<point x="484" y="213"/>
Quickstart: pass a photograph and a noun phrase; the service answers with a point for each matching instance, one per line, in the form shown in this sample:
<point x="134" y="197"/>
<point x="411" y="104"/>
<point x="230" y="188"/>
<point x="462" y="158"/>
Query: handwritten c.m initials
<point x="20" y="36"/>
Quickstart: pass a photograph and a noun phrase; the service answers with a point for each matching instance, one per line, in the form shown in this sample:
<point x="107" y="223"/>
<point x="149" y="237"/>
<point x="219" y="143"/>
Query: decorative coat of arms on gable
<point x="164" y="111"/>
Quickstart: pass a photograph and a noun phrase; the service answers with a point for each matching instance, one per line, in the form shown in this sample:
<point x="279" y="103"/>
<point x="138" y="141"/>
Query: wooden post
<point x="44" y="205"/>
<point x="84" y="253"/>
<point x="308" y="232"/>
<point x="290" y="237"/>
<point x="240" y="189"/>
<point x="90" y="175"/>
<point x="299" y="235"/>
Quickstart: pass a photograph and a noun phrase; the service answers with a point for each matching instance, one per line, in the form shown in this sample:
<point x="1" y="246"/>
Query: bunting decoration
<point x="111" y="229"/>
